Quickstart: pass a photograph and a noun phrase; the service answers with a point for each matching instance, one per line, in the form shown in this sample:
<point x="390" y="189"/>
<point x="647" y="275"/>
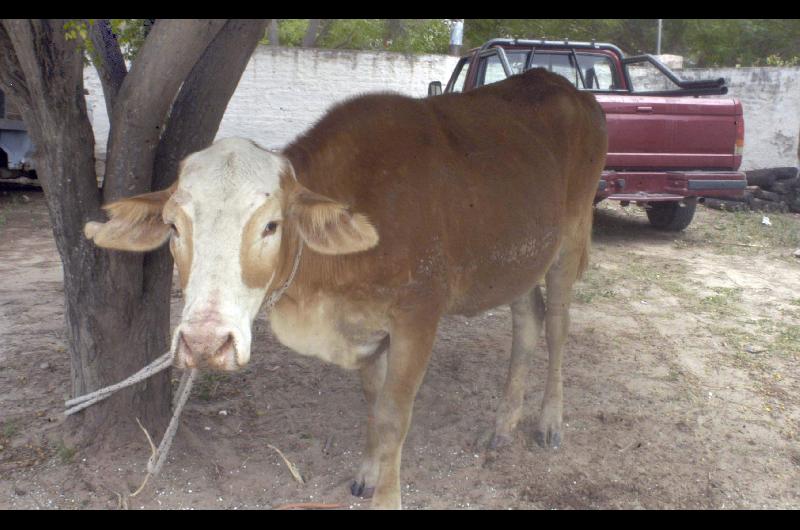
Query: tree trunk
<point x="310" y="37"/>
<point x="132" y="297"/>
<point x="395" y="29"/>
<point x="274" y="38"/>
<point x="117" y="303"/>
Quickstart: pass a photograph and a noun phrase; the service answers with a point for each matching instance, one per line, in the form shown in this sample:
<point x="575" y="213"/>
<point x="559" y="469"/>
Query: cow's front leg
<point x="373" y="374"/>
<point x="412" y="338"/>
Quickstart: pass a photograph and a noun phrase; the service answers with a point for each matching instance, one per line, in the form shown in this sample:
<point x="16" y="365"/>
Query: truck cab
<point x="670" y="144"/>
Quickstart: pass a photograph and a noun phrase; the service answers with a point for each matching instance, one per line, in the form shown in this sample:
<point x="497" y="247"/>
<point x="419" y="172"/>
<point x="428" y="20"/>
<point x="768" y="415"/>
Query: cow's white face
<point x="225" y="220"/>
<point x="227" y="207"/>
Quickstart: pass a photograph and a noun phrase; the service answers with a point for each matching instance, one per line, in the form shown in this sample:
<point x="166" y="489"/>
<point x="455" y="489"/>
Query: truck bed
<point x="672" y="133"/>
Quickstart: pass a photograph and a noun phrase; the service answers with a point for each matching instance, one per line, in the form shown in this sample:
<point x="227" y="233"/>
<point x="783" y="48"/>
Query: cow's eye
<point x="174" y="229"/>
<point x="270" y="229"/>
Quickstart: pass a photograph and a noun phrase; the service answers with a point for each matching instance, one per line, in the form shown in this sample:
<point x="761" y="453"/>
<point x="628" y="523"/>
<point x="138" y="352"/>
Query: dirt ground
<point x="680" y="391"/>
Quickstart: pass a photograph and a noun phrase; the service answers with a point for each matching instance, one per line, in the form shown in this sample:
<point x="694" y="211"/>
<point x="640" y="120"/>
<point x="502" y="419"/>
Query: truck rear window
<point x="645" y="77"/>
<point x="597" y="72"/>
<point x="492" y="69"/>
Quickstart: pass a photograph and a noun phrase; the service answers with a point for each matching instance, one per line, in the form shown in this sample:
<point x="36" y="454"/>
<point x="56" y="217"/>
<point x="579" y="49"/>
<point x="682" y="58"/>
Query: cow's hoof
<point x="547" y="439"/>
<point x="360" y="489"/>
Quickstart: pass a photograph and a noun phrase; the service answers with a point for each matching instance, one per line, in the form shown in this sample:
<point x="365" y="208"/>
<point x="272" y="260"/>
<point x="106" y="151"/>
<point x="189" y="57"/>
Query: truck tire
<point x="671" y="216"/>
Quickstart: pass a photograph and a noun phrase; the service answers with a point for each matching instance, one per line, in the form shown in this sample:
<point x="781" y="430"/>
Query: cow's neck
<point x="276" y="294"/>
<point x="328" y="326"/>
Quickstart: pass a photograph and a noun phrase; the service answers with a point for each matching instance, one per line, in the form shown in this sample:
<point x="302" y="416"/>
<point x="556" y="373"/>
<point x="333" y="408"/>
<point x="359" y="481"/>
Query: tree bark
<point x="166" y="58"/>
<point x="11" y="76"/>
<point x="108" y="60"/>
<point x="274" y="38"/>
<point x="310" y="37"/>
<point x="395" y="28"/>
<point x="147" y="26"/>
<point x="197" y="112"/>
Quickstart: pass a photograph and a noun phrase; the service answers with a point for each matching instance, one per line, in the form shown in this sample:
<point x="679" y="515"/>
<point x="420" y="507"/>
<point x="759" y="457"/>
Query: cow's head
<point x="234" y="221"/>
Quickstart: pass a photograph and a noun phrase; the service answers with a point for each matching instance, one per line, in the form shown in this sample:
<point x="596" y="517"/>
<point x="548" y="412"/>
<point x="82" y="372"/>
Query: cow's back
<point x="471" y="193"/>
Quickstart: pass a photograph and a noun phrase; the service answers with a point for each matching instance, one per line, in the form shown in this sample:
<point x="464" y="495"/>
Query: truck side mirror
<point x="435" y="88"/>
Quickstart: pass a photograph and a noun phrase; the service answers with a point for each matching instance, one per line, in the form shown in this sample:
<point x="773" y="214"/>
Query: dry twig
<point x="292" y="468"/>
<point x="152" y="455"/>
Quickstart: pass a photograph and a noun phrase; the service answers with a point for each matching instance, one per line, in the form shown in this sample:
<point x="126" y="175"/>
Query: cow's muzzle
<point x="207" y="346"/>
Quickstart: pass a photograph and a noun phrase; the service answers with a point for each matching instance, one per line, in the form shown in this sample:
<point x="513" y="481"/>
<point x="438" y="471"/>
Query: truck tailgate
<point x="672" y="133"/>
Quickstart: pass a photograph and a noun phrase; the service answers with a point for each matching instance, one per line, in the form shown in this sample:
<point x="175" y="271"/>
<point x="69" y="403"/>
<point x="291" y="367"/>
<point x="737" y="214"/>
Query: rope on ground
<point x="81" y="402"/>
<point x="158" y="455"/>
<point x="157" y="460"/>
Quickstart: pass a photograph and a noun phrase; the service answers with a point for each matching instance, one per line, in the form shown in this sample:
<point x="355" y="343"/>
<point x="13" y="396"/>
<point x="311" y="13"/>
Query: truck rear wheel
<point x="671" y="216"/>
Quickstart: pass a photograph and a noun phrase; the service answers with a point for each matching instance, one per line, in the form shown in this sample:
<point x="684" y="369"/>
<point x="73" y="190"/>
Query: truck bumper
<point x="646" y="186"/>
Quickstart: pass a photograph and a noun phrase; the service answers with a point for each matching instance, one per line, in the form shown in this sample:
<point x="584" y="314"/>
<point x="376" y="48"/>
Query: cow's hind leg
<point x="527" y="317"/>
<point x="559" y="280"/>
<point x="373" y="375"/>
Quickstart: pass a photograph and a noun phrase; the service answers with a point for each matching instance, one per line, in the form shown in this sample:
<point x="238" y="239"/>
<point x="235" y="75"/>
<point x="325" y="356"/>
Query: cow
<point x="387" y="214"/>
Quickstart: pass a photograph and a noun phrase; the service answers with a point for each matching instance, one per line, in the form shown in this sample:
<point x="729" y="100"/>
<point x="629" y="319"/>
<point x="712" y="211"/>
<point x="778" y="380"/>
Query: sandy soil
<point x="681" y="391"/>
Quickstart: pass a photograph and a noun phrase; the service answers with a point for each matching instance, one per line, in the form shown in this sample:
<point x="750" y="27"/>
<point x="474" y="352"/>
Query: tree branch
<point x="274" y="38"/>
<point x="108" y="60"/>
<point x="395" y="29"/>
<point x="46" y="63"/>
<point x="310" y="37"/>
<point x="144" y="100"/>
<point x="204" y="96"/>
<point x="11" y="76"/>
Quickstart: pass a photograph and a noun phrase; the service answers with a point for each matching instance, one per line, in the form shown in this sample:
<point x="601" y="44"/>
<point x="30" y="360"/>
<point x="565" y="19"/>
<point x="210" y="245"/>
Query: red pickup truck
<point x="668" y="146"/>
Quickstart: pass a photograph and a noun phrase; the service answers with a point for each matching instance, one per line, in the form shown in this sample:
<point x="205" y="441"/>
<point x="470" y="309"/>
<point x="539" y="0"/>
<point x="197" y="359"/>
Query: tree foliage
<point x="704" y="42"/>
<point x="130" y="32"/>
<point x="731" y="42"/>
<point x="399" y="35"/>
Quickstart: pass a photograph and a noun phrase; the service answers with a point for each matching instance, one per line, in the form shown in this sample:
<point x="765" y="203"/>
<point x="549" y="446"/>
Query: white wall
<point x="284" y="91"/>
<point x="771" y="104"/>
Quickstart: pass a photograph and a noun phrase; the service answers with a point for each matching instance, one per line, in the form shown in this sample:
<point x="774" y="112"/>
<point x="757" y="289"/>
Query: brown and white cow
<point x="404" y="210"/>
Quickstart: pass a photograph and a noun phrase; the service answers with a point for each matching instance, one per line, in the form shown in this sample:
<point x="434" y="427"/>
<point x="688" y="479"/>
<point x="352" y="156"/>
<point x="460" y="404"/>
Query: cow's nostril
<point x="227" y="345"/>
<point x="213" y="347"/>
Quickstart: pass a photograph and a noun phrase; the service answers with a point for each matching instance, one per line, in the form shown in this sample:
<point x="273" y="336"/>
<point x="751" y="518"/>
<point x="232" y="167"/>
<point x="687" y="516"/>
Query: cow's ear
<point x="135" y="224"/>
<point x="328" y="226"/>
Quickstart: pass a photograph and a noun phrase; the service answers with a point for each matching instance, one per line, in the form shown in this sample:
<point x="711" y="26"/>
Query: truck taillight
<point x="738" y="148"/>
